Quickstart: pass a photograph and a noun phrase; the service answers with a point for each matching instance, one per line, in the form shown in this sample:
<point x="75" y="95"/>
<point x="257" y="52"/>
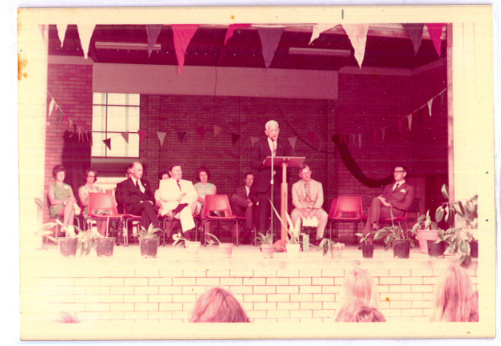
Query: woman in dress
<point x="61" y="199"/>
<point x="203" y="187"/>
<point x="90" y="177"/>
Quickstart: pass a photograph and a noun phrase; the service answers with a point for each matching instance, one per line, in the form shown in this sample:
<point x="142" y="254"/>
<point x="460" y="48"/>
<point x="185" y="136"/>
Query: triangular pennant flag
<point x="359" y="141"/>
<point x="311" y="137"/>
<point x="183" y="33"/>
<point x="51" y="105"/>
<point x="435" y="31"/>
<point x="61" y="114"/>
<point x="180" y="136"/>
<point x="64" y="118"/>
<point x="161" y="137"/>
<point x="142" y="135"/>
<point x="415" y="32"/>
<point x="357" y="33"/>
<point x="234" y="138"/>
<point x="318" y="29"/>
<point x="44" y="31"/>
<point x="255" y="139"/>
<point x="152" y="31"/>
<point x="270" y="36"/>
<point x="292" y="142"/>
<point x="60" y="27"/>
<point x="85" y="32"/>
<point x="231" y="30"/>
<point x="442" y="95"/>
<point x="200" y="131"/>
<point x="125" y="135"/>
<point x="400" y="125"/>
<point x="107" y="142"/>
<point x="429" y="105"/>
<point x="217" y="129"/>
<point x="383" y="130"/>
<point x="409" y="120"/>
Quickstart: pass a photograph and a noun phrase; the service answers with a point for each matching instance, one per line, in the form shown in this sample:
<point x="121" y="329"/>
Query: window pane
<point x="117" y="118"/>
<point x="134" y="99"/>
<point x="98" y="146"/>
<point x="133" y="119"/>
<point x="99" y="99"/>
<point x="120" y="148"/>
<point x="98" y="118"/>
<point x="117" y="99"/>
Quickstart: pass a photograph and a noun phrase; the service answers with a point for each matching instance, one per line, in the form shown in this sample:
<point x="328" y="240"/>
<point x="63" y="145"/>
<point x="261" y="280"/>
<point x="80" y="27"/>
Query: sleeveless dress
<point x="61" y="194"/>
<point x="86" y="192"/>
<point x="203" y="190"/>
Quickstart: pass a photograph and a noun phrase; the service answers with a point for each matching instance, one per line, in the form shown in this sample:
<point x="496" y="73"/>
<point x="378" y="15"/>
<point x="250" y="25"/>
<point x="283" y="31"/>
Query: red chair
<point x="397" y="219"/>
<point x="105" y="206"/>
<point x="221" y="204"/>
<point x="330" y="220"/>
<point x="348" y="209"/>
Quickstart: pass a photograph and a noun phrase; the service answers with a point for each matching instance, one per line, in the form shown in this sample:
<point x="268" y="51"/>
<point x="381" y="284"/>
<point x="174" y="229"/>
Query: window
<point x="112" y="115"/>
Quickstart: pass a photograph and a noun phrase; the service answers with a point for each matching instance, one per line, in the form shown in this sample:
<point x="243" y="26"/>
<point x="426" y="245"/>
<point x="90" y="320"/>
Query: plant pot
<point x="474" y="249"/>
<point x="268" y="250"/>
<point x="436" y="249"/>
<point x="337" y="251"/>
<point x="401" y="248"/>
<point x="68" y="246"/>
<point x="424" y="236"/>
<point x="368" y="250"/>
<point x="292" y="250"/>
<point x="226" y="249"/>
<point x="104" y="246"/>
<point x="149" y="246"/>
<point x="192" y="247"/>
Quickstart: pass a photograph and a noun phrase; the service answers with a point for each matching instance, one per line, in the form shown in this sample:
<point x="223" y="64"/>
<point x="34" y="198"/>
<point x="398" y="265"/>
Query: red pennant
<point x="183" y="33"/>
<point x="65" y="117"/>
<point x="435" y="31"/>
<point x="234" y="138"/>
<point x="231" y="30"/>
<point x="200" y="131"/>
<point x="142" y="135"/>
<point x="108" y="143"/>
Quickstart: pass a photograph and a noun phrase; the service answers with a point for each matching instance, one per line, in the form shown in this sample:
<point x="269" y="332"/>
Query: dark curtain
<point x="76" y="157"/>
<point x="353" y="167"/>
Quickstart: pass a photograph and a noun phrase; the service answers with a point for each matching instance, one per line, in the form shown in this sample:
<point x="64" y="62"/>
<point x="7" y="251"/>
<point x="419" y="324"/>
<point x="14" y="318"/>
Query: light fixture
<point x="320" y="52"/>
<point x="126" y="45"/>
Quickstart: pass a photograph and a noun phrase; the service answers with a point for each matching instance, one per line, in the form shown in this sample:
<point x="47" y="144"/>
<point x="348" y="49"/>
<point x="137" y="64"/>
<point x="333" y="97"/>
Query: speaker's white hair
<point x="269" y="123"/>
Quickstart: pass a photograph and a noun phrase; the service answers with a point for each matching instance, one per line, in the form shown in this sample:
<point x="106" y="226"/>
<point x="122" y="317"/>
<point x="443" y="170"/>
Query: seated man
<point x="243" y="206"/>
<point x="307" y="198"/>
<point x="398" y="197"/>
<point x="138" y="197"/>
<point x="178" y="199"/>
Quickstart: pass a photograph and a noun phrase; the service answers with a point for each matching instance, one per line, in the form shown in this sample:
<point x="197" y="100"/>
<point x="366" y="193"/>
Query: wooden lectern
<point x="284" y="162"/>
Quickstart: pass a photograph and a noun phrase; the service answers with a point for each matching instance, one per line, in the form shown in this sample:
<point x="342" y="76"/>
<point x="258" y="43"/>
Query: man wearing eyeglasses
<point x="396" y="197"/>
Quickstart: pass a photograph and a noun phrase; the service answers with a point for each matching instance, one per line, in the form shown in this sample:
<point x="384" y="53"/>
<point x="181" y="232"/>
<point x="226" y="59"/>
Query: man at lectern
<point x="261" y="188"/>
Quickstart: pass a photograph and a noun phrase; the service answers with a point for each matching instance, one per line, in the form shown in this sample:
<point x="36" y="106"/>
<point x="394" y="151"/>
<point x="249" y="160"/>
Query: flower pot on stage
<point x="104" y="246"/>
<point x="267" y="250"/>
<point x="368" y="250"/>
<point x="474" y="249"/>
<point x="226" y="249"/>
<point x="436" y="249"/>
<point x="149" y="246"/>
<point x="337" y="250"/>
<point x="401" y="248"/>
<point x="424" y="236"/>
<point x="292" y="250"/>
<point x="68" y="246"/>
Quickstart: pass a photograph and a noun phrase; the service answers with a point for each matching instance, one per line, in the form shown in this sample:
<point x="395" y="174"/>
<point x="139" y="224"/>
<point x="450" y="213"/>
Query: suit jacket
<point x="401" y="199"/>
<point x="169" y="193"/>
<point x="263" y="174"/>
<point x="131" y="194"/>
<point x="119" y="196"/>
<point x="316" y="195"/>
<point x="241" y="191"/>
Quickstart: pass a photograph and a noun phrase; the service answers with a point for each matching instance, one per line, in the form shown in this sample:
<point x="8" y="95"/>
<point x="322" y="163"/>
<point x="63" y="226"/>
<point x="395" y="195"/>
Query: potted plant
<point x="367" y="249"/>
<point x="46" y="231"/>
<point x="191" y="246"/>
<point x="395" y="236"/>
<point x="267" y="246"/>
<point x="68" y="245"/>
<point x="462" y="217"/>
<point x="148" y="241"/>
<point x="293" y="244"/>
<point x="426" y="230"/>
<point x="226" y="248"/>
<point x="327" y="245"/>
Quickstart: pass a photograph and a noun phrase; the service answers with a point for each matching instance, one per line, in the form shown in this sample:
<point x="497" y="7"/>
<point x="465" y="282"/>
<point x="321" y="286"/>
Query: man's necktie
<point x="137" y="184"/>
<point x="178" y="184"/>
<point x="307" y="190"/>
<point x="396" y="187"/>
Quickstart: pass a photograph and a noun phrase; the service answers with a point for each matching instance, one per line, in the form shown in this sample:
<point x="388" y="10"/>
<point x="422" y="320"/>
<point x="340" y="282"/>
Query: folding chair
<point x="106" y="207"/>
<point x="217" y="203"/>
<point x="348" y="209"/>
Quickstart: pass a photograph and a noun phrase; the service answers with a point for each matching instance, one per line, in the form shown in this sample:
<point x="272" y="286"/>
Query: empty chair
<point x="348" y="209"/>
<point x="221" y="204"/>
<point x="102" y="206"/>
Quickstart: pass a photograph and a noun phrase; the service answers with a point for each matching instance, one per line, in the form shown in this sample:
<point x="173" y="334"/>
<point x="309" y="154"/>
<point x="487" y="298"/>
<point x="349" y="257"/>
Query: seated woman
<point x="455" y="300"/>
<point x="89" y="178"/>
<point x="62" y="200"/>
<point x="218" y="305"/>
<point x="203" y="188"/>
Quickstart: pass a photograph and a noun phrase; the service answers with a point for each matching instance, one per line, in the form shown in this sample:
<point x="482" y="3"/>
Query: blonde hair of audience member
<point x="358" y="284"/>
<point x="218" y="305"/>
<point x="357" y="311"/>
<point x="455" y="300"/>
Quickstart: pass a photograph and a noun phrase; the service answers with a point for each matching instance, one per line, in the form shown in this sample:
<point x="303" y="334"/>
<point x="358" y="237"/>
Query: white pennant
<point x="292" y="142"/>
<point x="85" y="32"/>
<point x="357" y="33"/>
<point x="409" y="120"/>
<point x="51" y="105"/>
<point x="318" y="29"/>
<point x="429" y="105"/>
<point x="161" y="137"/>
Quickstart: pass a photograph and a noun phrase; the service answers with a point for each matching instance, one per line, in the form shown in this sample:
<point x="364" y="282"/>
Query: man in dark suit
<point x="119" y="190"/>
<point x="396" y="197"/>
<point x="138" y="197"/>
<point x="261" y="189"/>
<point x="242" y="205"/>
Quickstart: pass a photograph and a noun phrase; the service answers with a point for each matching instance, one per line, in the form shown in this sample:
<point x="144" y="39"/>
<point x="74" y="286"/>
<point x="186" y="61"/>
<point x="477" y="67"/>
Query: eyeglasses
<point x="91" y="176"/>
<point x="399" y="172"/>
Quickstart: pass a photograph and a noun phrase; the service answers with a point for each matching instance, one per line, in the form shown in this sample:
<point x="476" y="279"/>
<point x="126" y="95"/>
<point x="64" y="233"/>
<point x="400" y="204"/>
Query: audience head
<point x="175" y="171"/>
<point x="128" y="171"/>
<point x="249" y="179"/>
<point x="454" y="297"/>
<point x="59" y="172"/>
<point x="90" y="176"/>
<point x="137" y="170"/>
<point x="162" y="175"/>
<point x="218" y="305"/>
<point x="272" y="130"/>
<point x="358" y="284"/>
<point x="203" y="174"/>
<point x="305" y="172"/>
<point x="399" y="173"/>
<point x="357" y="311"/>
